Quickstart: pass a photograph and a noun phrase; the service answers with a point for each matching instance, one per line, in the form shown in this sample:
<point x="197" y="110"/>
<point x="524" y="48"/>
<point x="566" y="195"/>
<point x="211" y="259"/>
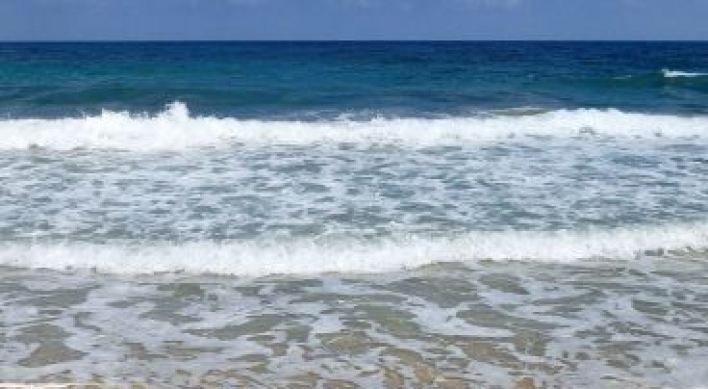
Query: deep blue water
<point x="315" y="79"/>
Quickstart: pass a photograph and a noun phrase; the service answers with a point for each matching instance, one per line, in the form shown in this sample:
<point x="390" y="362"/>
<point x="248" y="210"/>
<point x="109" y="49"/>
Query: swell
<point x="176" y="129"/>
<point x="312" y="256"/>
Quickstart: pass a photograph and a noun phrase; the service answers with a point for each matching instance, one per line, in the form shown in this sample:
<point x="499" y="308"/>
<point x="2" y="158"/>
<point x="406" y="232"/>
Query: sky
<point x="353" y="19"/>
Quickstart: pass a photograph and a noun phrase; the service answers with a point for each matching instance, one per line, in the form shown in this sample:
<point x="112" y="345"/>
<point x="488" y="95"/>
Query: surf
<point x="176" y="129"/>
<point x="316" y="255"/>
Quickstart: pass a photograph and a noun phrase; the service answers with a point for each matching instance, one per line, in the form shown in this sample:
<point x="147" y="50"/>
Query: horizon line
<point x="351" y="40"/>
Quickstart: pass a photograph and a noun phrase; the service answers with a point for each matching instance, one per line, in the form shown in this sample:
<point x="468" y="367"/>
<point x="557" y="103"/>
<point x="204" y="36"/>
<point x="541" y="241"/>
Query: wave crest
<point x="176" y="129"/>
<point x="668" y="73"/>
<point x="314" y="256"/>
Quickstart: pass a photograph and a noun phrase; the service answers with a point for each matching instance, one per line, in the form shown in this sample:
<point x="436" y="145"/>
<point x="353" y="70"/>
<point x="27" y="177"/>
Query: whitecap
<point x="349" y="255"/>
<point x="668" y="73"/>
<point x="175" y="129"/>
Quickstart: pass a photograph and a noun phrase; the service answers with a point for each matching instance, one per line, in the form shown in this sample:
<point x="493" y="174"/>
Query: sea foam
<point x="312" y="256"/>
<point x="668" y="73"/>
<point x="176" y="129"/>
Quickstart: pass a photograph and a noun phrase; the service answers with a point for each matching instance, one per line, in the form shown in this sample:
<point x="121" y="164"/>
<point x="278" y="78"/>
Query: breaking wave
<point x="312" y="256"/>
<point x="176" y="129"/>
<point x="668" y="73"/>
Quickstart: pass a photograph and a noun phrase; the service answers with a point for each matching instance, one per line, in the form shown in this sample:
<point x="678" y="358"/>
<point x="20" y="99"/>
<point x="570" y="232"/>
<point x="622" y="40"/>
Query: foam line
<point x="176" y="129"/>
<point x="668" y="73"/>
<point x="311" y="256"/>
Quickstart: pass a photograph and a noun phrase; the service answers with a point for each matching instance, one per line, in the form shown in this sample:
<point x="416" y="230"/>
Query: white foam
<point x="668" y="73"/>
<point x="310" y="256"/>
<point x="175" y="129"/>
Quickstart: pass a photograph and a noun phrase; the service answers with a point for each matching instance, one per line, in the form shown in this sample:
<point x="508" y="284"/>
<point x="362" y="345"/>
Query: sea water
<point x="362" y="214"/>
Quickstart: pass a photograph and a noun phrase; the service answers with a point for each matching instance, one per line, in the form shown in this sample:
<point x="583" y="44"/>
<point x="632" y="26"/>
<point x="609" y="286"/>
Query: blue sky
<point x="352" y="19"/>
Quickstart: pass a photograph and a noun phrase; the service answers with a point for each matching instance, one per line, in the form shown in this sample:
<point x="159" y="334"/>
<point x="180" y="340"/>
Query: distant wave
<point x="311" y="256"/>
<point x="175" y="129"/>
<point x="677" y="73"/>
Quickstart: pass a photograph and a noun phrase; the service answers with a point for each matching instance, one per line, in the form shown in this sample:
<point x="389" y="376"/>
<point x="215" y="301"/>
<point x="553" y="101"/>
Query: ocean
<point x="354" y="214"/>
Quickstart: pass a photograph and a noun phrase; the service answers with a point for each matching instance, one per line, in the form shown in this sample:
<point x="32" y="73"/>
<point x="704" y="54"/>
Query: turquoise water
<point x="315" y="80"/>
<point x="366" y="214"/>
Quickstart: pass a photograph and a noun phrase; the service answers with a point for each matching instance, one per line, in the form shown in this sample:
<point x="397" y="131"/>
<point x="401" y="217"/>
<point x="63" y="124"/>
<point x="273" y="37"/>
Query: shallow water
<point x="623" y="324"/>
